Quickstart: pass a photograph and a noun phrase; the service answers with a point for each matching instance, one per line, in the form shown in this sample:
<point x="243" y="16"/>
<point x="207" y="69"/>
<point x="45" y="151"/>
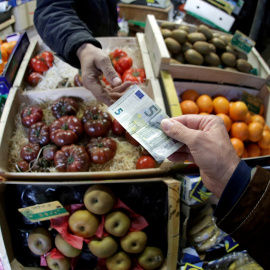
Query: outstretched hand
<point x="94" y="63"/>
<point x="206" y="143"/>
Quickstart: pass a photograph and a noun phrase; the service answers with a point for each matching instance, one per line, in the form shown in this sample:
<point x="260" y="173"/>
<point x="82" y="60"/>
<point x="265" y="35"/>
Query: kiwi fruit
<point x="202" y="47"/>
<point x="180" y="35"/>
<point x="174" y="61"/>
<point x="166" y="32"/>
<point x="193" y="37"/>
<point x="212" y="59"/>
<point x="230" y="69"/>
<point x="186" y="46"/>
<point x="212" y="47"/>
<point x="216" y="35"/>
<point x="193" y="57"/>
<point x="226" y="39"/>
<point x="228" y="59"/>
<point x="241" y="55"/>
<point x="230" y="49"/>
<point x="172" y="45"/>
<point x="168" y="25"/>
<point x="206" y="31"/>
<point x="243" y="65"/>
<point x="219" y="43"/>
<point x="180" y="58"/>
<point x="184" y="27"/>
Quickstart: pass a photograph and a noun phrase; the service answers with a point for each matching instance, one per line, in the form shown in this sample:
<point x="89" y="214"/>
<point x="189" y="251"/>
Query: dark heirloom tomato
<point x="42" y="165"/>
<point x="96" y="122"/>
<point x="23" y="166"/>
<point x="146" y="162"/>
<point x="30" y="151"/>
<point x="130" y="139"/>
<point x="136" y="75"/>
<point x="101" y="150"/>
<point x="49" y="152"/>
<point x="64" y="106"/>
<point x="66" y="130"/>
<point x="31" y="115"/>
<point x="72" y="158"/>
<point x="34" y="78"/>
<point x="39" y="133"/>
<point x="117" y="129"/>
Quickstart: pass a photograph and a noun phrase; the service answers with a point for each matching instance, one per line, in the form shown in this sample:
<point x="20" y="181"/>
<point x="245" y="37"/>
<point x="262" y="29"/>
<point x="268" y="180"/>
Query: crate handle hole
<point x="198" y="7"/>
<point x="220" y="19"/>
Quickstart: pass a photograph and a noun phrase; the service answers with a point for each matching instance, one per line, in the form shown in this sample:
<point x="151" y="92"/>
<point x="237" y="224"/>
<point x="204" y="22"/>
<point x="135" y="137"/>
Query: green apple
<point x="151" y="258"/>
<point x="83" y="223"/>
<point x="65" y="248"/>
<point x="40" y="241"/>
<point x="99" y="199"/>
<point x="117" y="223"/>
<point x="103" y="247"/>
<point x="134" y="242"/>
<point x="119" y="261"/>
<point x="58" y="264"/>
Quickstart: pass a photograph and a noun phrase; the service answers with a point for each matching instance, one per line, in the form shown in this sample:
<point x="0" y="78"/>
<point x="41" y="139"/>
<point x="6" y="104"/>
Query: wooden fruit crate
<point x="160" y="59"/>
<point x="168" y="213"/>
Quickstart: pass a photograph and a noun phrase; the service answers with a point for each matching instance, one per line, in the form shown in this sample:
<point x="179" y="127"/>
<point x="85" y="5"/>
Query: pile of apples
<point x="118" y="247"/>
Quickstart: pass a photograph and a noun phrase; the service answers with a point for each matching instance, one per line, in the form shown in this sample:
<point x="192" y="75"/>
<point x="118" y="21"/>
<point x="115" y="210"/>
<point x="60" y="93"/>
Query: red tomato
<point x="23" y="166"/>
<point x="145" y="162"/>
<point x="72" y="158"/>
<point x="34" y="78"/>
<point x="117" y="67"/>
<point x="118" y="53"/>
<point x="125" y="62"/>
<point x="136" y="75"/>
<point x="96" y="122"/>
<point x="64" y="106"/>
<point x="39" y="133"/>
<point x="30" y="151"/>
<point x="66" y="130"/>
<point x="40" y="65"/>
<point x="130" y="139"/>
<point x="101" y="150"/>
<point x="49" y="152"/>
<point x="47" y="56"/>
<point x="31" y="115"/>
<point x="117" y="129"/>
<point x="32" y="63"/>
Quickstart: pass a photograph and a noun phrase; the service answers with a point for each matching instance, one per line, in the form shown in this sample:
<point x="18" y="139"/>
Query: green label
<point x="253" y="103"/>
<point x="242" y="43"/>
<point x="45" y="211"/>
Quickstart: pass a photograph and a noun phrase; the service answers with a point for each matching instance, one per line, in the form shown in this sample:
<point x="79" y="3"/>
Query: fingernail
<point x="166" y="124"/>
<point x="116" y="81"/>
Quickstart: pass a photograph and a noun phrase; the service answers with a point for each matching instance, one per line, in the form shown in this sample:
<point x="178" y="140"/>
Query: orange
<point x="189" y="107"/>
<point x="190" y="94"/>
<point x="261" y="110"/>
<point x="205" y="103"/>
<point x="231" y="103"/>
<point x="245" y="153"/>
<point x="264" y="142"/>
<point x="10" y="46"/>
<point x="265" y="152"/>
<point x="2" y="66"/>
<point x="253" y="150"/>
<point x="239" y="130"/>
<point x="248" y="118"/>
<point x="255" y="131"/>
<point x="4" y="55"/>
<point x="266" y="128"/>
<point x="204" y="113"/>
<point x="238" y="111"/>
<point x="221" y="105"/>
<point x="257" y="118"/>
<point x="238" y="146"/>
<point x="4" y="46"/>
<point x="226" y="119"/>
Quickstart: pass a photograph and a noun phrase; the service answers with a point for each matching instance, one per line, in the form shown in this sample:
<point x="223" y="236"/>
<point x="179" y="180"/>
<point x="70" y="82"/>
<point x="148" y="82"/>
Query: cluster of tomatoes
<point x="123" y="65"/>
<point x="37" y="66"/>
<point x="56" y="145"/>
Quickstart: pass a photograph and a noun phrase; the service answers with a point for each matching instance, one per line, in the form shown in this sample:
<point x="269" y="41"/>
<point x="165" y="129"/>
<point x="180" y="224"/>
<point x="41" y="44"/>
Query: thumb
<point x="110" y="74"/>
<point x="177" y="131"/>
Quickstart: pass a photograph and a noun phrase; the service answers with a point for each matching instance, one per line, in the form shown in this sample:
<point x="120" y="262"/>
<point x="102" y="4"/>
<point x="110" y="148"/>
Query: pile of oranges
<point x="249" y="134"/>
<point x="6" y="50"/>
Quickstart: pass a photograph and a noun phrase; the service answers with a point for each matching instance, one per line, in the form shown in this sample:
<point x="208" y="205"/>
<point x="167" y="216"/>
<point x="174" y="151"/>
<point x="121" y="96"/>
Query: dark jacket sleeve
<point x="60" y="28"/>
<point x="248" y="220"/>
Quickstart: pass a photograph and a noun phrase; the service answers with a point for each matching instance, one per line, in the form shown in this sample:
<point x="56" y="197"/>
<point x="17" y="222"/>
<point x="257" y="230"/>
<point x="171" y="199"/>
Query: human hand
<point x="207" y="143"/>
<point x="94" y="63"/>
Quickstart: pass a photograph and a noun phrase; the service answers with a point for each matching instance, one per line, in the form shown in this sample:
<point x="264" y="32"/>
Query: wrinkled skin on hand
<point x="207" y="143"/>
<point x="94" y="63"/>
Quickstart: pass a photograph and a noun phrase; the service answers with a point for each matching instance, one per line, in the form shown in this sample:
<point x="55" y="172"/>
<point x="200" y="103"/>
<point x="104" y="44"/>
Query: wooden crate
<point x="170" y="189"/>
<point x="174" y="87"/>
<point x="160" y="59"/>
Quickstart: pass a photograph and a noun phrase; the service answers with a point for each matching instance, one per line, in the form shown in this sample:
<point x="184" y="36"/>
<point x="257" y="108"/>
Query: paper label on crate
<point x="230" y="243"/>
<point x="44" y="211"/>
<point x="253" y="103"/>
<point x="200" y="193"/>
<point x="189" y="266"/>
<point x="141" y="117"/>
<point x="242" y="43"/>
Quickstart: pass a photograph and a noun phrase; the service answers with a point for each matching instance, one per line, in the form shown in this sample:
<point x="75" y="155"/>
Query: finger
<point x="123" y="87"/>
<point x="178" y="157"/>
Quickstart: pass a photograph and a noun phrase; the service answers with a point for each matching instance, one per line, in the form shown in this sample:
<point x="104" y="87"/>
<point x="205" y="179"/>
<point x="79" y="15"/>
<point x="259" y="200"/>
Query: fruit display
<point x="6" y="50"/>
<point x="69" y="135"/>
<point x="203" y="47"/>
<point x="248" y="131"/>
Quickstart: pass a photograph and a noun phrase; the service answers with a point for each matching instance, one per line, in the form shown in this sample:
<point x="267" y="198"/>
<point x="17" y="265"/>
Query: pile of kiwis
<point x="203" y="47"/>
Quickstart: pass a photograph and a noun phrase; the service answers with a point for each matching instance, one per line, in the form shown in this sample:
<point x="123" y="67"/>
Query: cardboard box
<point x="149" y="3"/>
<point x="160" y="59"/>
<point x="175" y="87"/>
<point x="168" y="215"/>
